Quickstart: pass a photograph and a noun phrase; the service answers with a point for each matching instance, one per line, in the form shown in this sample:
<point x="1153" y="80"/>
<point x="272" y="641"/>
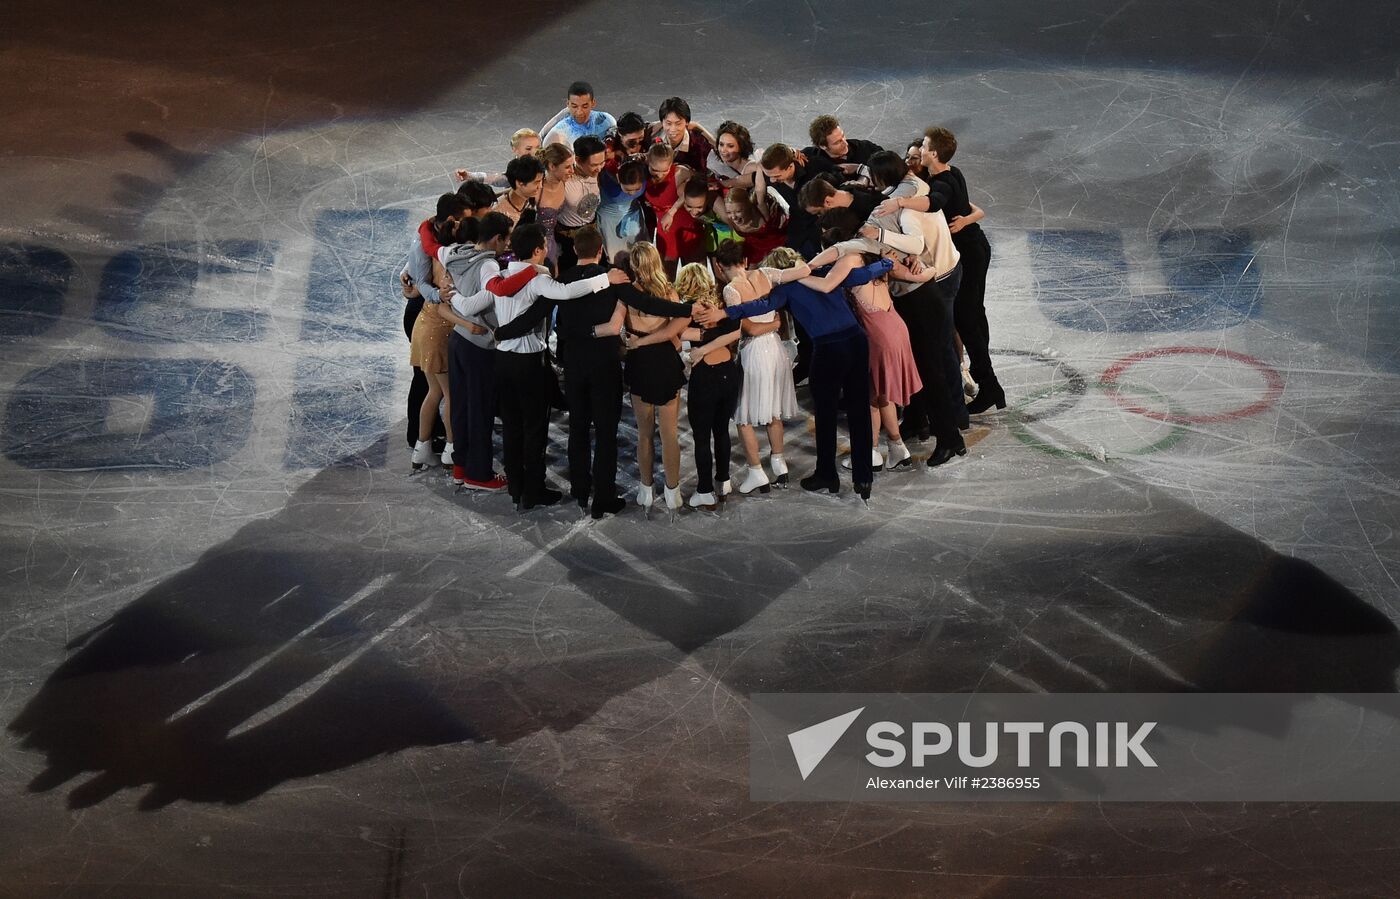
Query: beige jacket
<point x="921" y="234"/>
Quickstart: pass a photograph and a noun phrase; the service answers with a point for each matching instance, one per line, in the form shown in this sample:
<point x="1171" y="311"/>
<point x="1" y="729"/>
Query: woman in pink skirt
<point x="893" y="375"/>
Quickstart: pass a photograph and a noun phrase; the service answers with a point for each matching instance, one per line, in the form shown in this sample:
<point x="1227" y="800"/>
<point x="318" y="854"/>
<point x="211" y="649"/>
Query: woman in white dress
<point x="768" y="394"/>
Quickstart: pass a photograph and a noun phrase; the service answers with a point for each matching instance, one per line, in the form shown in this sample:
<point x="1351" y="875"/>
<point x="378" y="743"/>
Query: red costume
<point x="683" y="240"/>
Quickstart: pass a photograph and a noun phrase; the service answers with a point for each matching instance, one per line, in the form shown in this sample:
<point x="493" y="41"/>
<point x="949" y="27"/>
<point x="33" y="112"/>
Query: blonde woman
<point x="715" y="382"/>
<point x="558" y="168"/>
<point x="523" y="142"/>
<point x="676" y="233"/>
<point x="762" y="234"/>
<point x="654" y="375"/>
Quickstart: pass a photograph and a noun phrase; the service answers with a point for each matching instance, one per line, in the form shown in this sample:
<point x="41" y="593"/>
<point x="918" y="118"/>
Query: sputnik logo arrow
<point x="811" y="744"/>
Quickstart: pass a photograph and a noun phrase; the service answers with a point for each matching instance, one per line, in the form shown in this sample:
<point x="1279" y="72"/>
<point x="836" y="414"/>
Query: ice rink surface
<point x="244" y="653"/>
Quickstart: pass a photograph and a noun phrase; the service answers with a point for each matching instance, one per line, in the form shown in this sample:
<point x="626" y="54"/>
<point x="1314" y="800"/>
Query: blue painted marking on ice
<point x="1217" y="266"/>
<point x="33" y="283"/>
<point x="353" y="289"/>
<point x="189" y="413"/>
<point x="1212" y="281"/>
<point x="145" y="292"/>
<point x="1081" y="278"/>
<point x="341" y="412"/>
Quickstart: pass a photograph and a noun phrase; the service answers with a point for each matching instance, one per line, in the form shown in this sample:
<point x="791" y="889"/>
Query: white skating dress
<point x="768" y="392"/>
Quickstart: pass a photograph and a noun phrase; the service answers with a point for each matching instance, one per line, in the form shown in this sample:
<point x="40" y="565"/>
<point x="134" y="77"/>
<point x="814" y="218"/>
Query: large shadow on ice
<point x="285" y="651"/>
<point x="319" y="638"/>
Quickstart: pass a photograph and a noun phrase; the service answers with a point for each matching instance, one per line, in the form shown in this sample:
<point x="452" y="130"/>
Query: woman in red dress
<point x="678" y="236"/>
<point x="761" y="234"/>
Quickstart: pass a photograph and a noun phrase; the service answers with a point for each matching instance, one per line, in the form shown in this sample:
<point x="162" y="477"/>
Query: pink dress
<point x="892" y="371"/>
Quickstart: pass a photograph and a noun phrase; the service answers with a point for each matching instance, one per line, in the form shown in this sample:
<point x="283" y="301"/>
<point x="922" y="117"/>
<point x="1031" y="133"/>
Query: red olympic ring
<point x="1273" y="382"/>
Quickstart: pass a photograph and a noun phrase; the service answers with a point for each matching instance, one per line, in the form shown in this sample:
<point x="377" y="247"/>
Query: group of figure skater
<point x="661" y="257"/>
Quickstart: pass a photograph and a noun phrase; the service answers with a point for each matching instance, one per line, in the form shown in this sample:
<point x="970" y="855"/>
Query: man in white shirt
<point x="522" y="364"/>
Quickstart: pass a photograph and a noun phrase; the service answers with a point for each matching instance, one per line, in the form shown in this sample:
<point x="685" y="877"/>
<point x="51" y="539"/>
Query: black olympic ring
<point x="1076" y="385"/>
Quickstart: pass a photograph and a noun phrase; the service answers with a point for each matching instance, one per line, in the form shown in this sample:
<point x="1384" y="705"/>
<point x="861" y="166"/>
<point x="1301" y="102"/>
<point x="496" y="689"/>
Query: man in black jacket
<point x="786" y="171"/>
<point x="818" y="196"/>
<point x="591" y="352"/>
<point x="833" y="152"/>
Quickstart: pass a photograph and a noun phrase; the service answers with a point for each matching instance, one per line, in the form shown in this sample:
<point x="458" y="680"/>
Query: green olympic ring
<point x="1019" y="419"/>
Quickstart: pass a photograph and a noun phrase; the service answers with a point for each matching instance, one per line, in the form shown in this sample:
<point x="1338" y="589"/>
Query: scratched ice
<point x="229" y="605"/>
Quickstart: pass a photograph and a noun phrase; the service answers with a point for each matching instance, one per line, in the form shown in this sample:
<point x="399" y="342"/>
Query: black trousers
<point x="803" y="369"/>
<point x="593" y="389"/>
<point x="714" y="395"/>
<point x="945" y="291"/>
<point x="418" y="387"/>
<point x="471" y="374"/>
<point x="523" y="386"/>
<point x="567" y="257"/>
<point x="970" y="309"/>
<point x="928" y="314"/>
<point x="840" y="379"/>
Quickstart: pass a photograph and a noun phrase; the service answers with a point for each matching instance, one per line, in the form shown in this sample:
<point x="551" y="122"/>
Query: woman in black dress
<point x="654" y="374"/>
